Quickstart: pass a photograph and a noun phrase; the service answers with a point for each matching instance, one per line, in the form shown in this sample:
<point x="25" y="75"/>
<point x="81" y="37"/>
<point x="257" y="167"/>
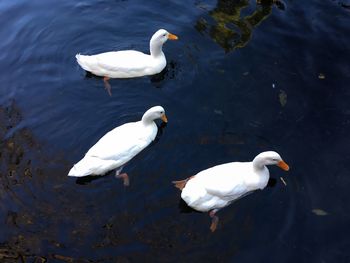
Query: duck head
<point x="156" y="112"/>
<point x="158" y="39"/>
<point x="269" y="158"/>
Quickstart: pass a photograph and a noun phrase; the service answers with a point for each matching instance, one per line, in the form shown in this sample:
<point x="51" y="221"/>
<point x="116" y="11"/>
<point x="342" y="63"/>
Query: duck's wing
<point x="121" y="143"/>
<point x="227" y="192"/>
<point x="92" y="166"/>
<point x="128" y="60"/>
<point x="225" y="181"/>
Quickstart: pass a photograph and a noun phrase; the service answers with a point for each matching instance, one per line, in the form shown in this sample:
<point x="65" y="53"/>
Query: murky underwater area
<point x="244" y="77"/>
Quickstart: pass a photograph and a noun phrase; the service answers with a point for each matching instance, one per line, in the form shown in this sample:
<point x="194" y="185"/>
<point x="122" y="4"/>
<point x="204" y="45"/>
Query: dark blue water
<point x="243" y="78"/>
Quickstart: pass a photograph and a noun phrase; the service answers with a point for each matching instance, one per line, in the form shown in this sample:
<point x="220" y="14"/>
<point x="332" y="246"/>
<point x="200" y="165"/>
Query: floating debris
<point x="283" y="98"/>
<point x="321" y="76"/>
<point x="246" y="73"/>
<point x="273" y="85"/>
<point x="284" y="182"/>
<point x="218" y="112"/>
<point x="319" y="212"/>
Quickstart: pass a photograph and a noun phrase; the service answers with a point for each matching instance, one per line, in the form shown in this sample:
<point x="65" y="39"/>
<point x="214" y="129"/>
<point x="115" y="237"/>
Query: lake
<point x="244" y="77"/>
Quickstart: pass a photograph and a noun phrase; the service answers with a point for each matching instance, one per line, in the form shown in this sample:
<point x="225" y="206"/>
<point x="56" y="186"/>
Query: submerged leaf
<point x="218" y="112"/>
<point x="321" y="76"/>
<point x="283" y="98"/>
<point x="319" y="212"/>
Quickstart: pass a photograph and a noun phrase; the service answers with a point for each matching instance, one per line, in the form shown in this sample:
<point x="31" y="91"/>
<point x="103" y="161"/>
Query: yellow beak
<point x="172" y="37"/>
<point x="164" y="118"/>
<point x="283" y="165"/>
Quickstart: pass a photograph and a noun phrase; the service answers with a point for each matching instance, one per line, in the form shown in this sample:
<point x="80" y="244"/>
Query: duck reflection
<point x="231" y="30"/>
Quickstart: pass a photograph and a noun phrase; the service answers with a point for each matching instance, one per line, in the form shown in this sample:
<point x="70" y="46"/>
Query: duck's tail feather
<point x="92" y="165"/>
<point x="84" y="61"/>
<point x="181" y="184"/>
<point x="80" y="169"/>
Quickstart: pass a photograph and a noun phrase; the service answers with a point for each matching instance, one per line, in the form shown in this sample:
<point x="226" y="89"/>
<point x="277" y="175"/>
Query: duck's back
<point x="216" y="187"/>
<point x="124" y="142"/>
<point x="115" y="149"/>
<point x="120" y="64"/>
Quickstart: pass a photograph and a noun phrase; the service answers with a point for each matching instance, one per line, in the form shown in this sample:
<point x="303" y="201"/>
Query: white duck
<point x="217" y="187"/>
<point x="128" y="63"/>
<point x="119" y="146"/>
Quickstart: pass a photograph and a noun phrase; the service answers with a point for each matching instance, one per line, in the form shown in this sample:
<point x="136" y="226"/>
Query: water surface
<point x="243" y="78"/>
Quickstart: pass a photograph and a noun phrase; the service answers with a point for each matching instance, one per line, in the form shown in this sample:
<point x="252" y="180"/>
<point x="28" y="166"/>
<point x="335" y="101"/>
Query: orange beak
<point x="283" y="165"/>
<point x="172" y="37"/>
<point x="164" y="118"/>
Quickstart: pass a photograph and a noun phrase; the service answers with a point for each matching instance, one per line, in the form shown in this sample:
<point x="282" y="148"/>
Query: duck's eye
<point x="274" y="159"/>
<point x="164" y="35"/>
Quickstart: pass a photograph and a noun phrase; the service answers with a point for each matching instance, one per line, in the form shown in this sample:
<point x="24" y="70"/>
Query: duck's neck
<point x="260" y="178"/>
<point x="146" y="119"/>
<point x="258" y="163"/>
<point x="156" y="49"/>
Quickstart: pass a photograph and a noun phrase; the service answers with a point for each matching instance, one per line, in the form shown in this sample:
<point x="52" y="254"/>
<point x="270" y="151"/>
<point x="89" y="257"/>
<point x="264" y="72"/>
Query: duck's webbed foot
<point x="123" y="176"/>
<point x="107" y="85"/>
<point x="214" y="221"/>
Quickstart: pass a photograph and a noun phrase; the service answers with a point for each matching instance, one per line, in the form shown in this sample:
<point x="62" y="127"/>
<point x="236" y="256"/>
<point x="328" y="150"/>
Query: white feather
<point x="128" y="63"/>
<point x="119" y="146"/>
<point x="218" y="186"/>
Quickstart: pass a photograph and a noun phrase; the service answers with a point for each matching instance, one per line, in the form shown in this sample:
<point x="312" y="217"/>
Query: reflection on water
<point x="230" y="28"/>
<point x="32" y="219"/>
<point x="50" y="116"/>
<point x="16" y="166"/>
<point x="15" y="169"/>
<point x="169" y="72"/>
